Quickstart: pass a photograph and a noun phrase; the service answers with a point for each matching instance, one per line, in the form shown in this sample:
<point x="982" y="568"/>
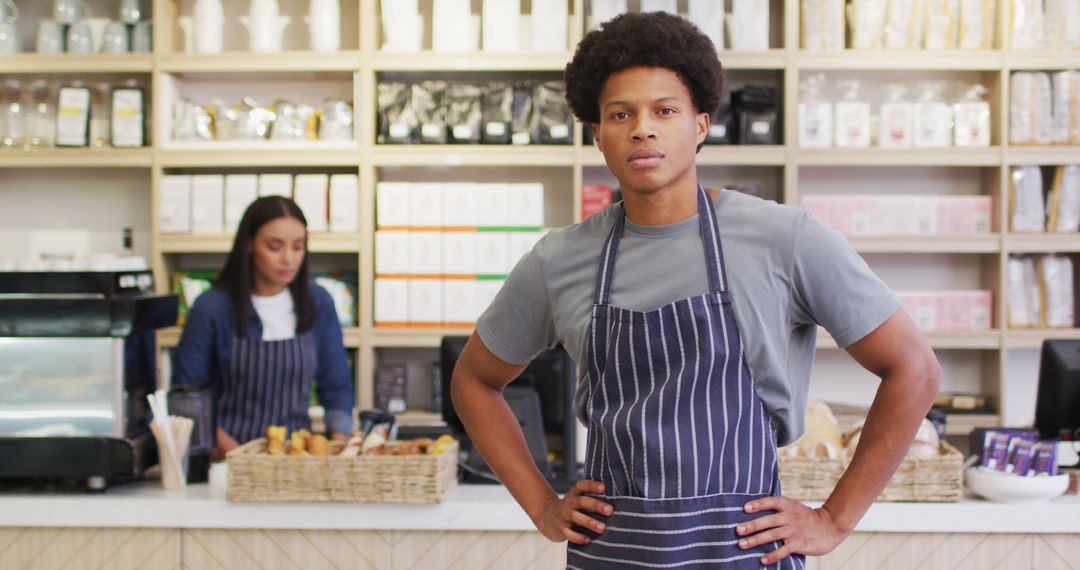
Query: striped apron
<point x="268" y="383"/>
<point x="677" y="433"/>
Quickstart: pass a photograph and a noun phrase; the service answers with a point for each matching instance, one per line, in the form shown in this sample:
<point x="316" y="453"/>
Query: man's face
<point x="649" y="129"/>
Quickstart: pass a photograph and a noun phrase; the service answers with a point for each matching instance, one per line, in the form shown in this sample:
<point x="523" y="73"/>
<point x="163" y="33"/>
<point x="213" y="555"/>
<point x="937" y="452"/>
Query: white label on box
<point x="174" y="204"/>
<point x="760" y="128"/>
<point x="558" y="132"/>
<point x="933" y="125"/>
<point x="344" y="203"/>
<point x="276" y="185"/>
<point x="459" y="301"/>
<point x="391" y="301"/>
<point x="426" y="205"/>
<point x="425" y="301"/>
<point x="495" y="129"/>
<point x="425" y="253"/>
<point x="521" y="138"/>
<point x="717" y="131"/>
<point x="391" y="253"/>
<point x="240" y="191"/>
<point x="459" y="205"/>
<point x="399" y="131"/>
<point x="208" y="203"/>
<point x="462" y="132"/>
<point x="459" y="253"/>
<point x="312" y="193"/>
<point x="392" y="204"/>
<point x="432" y="130"/>
<point x="451" y="33"/>
<point x="492" y="253"/>
<point x="525" y="207"/>
<point x="492" y="205"/>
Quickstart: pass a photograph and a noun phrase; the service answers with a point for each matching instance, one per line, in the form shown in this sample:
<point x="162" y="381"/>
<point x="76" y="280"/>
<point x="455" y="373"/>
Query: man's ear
<point x="704" y="121"/>
<point x="596" y="135"/>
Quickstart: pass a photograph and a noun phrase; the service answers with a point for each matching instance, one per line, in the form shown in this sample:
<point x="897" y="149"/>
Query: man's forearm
<point x="899" y="407"/>
<point x="496" y="433"/>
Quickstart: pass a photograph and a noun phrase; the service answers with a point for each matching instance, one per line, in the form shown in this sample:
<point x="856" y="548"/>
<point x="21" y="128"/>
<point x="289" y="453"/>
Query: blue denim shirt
<point x="205" y="350"/>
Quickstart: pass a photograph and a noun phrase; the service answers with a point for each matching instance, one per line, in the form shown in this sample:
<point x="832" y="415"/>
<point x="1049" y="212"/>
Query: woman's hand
<point x="561" y="514"/>
<point x="225" y="444"/>
<point x="802" y="530"/>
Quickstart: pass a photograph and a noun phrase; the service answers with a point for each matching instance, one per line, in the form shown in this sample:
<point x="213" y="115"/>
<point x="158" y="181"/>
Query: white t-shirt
<point x="277" y="315"/>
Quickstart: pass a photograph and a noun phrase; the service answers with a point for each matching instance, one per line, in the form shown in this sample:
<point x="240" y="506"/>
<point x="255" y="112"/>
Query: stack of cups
<point x="73" y="29"/>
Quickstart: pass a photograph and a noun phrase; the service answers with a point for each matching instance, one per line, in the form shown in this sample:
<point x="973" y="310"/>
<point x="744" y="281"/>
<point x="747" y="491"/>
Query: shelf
<point x="1043" y="155"/>
<point x="242" y="62"/>
<point x="78" y="158"/>
<point x="34" y="63"/>
<point x="1033" y="338"/>
<point x="942" y="340"/>
<point x="509" y="62"/>
<point x="177" y="155"/>
<point x="988" y="243"/>
<point x="412" y="338"/>
<point x="473" y="155"/>
<point x="976" y="157"/>
<point x="915" y="60"/>
<point x="170" y="337"/>
<point x="963" y="424"/>
<point x="1042" y="60"/>
<point x="1043" y="243"/>
<point x="772" y="59"/>
<point x="213" y="243"/>
<point x="713" y="155"/>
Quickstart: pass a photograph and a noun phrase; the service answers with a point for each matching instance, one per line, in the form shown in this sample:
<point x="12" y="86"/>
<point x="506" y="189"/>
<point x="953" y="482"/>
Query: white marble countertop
<point x="469" y="508"/>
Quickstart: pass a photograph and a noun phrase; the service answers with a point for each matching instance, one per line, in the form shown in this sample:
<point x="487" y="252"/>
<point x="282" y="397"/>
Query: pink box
<point x="949" y="310"/>
<point x="964" y="215"/>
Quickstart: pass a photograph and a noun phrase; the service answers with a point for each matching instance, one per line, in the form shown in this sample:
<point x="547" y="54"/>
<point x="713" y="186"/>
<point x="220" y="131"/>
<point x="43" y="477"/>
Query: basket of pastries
<point x="932" y="471"/>
<point x="301" y="466"/>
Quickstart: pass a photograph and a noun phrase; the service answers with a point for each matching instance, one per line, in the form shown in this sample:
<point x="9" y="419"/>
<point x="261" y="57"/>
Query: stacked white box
<point x="311" y="194"/>
<point x="240" y="191"/>
<point x="391" y="301"/>
<point x="426" y="205"/>
<point x="392" y="204"/>
<point x="344" y="203"/>
<point x="391" y="253"/>
<point x="174" y="204"/>
<point x="275" y="185"/>
<point x="425" y="301"/>
<point x="208" y="203"/>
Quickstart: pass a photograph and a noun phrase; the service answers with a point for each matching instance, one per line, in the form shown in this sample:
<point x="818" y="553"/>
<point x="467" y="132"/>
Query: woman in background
<point x="264" y="332"/>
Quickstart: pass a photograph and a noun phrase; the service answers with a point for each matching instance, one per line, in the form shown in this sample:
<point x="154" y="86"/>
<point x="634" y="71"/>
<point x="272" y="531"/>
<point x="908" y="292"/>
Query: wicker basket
<point x="935" y="480"/>
<point x="256" y="476"/>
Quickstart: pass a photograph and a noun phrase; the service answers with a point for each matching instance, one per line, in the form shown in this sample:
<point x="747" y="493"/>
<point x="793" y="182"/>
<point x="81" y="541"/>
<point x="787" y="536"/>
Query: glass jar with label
<point x="100" y="115"/>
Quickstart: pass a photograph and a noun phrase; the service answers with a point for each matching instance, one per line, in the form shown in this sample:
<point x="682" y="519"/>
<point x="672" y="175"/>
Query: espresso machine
<point x="76" y="360"/>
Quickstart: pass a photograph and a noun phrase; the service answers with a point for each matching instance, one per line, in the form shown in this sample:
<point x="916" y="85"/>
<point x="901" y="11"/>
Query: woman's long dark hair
<point x="237" y="277"/>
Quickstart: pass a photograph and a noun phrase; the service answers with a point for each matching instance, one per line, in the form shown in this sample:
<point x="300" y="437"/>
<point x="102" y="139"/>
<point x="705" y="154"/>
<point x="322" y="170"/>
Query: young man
<point x="692" y="314"/>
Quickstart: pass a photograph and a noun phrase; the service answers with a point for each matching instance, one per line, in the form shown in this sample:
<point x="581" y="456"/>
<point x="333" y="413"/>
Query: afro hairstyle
<point x="635" y="39"/>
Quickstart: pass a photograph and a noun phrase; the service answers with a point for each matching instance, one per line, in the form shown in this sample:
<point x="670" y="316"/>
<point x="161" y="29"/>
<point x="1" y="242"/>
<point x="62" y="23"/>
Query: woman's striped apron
<point x="268" y="383"/>
<point x="676" y="431"/>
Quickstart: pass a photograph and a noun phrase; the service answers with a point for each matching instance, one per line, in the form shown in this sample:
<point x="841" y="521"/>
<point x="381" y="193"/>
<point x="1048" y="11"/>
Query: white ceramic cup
<point x="130" y="11"/>
<point x="115" y="39"/>
<point x="50" y="37"/>
<point x="97" y="31"/>
<point x="68" y="12"/>
<point x="79" y="38"/>
<point x="142" y="38"/>
<point x="10" y="42"/>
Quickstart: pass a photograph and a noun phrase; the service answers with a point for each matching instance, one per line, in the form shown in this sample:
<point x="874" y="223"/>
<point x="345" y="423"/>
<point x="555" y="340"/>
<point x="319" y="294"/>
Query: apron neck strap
<point x="710" y="236"/>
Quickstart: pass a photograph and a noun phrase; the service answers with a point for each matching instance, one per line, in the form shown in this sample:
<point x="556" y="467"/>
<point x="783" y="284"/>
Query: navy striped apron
<point x="677" y="433"/>
<point x="268" y="383"/>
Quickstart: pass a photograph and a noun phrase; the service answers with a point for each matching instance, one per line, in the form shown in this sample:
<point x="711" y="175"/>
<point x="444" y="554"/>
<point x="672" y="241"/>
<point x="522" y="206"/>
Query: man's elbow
<point x="928" y="377"/>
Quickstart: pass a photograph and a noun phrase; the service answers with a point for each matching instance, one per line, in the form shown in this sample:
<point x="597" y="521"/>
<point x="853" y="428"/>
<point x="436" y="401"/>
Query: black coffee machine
<point x="76" y="362"/>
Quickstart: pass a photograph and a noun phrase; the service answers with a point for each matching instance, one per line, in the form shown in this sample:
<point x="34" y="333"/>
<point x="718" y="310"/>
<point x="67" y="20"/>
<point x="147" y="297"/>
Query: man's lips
<point x="646" y="158"/>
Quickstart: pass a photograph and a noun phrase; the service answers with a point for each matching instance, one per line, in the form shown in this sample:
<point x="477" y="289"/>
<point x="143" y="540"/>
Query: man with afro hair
<point x="692" y="315"/>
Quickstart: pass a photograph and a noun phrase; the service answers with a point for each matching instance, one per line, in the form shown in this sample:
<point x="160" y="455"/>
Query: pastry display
<point x="303" y="443"/>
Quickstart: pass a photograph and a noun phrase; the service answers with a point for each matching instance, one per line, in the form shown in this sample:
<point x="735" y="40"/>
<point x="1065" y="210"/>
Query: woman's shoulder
<point x="211" y="304"/>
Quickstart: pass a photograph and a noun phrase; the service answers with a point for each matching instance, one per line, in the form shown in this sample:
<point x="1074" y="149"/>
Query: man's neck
<point x="665" y="206"/>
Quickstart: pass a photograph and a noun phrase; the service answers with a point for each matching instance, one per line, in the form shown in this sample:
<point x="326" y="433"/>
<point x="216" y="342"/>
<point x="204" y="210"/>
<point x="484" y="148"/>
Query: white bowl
<point x="997" y="486"/>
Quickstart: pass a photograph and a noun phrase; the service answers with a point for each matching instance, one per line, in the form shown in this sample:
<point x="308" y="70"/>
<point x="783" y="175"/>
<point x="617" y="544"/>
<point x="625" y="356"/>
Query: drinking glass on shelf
<point x="100" y="115"/>
<point x="40" y="117"/>
<point x="12" y="115"/>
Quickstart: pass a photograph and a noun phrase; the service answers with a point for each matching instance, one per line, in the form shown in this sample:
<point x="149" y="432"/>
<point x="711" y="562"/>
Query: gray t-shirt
<point x="788" y="272"/>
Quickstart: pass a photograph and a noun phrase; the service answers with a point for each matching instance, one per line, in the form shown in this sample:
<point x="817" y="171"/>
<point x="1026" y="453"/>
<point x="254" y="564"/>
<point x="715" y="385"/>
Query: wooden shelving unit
<point x="364" y="66"/>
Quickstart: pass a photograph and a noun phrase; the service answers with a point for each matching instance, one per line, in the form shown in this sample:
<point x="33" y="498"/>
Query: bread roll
<point x="822" y="439"/>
